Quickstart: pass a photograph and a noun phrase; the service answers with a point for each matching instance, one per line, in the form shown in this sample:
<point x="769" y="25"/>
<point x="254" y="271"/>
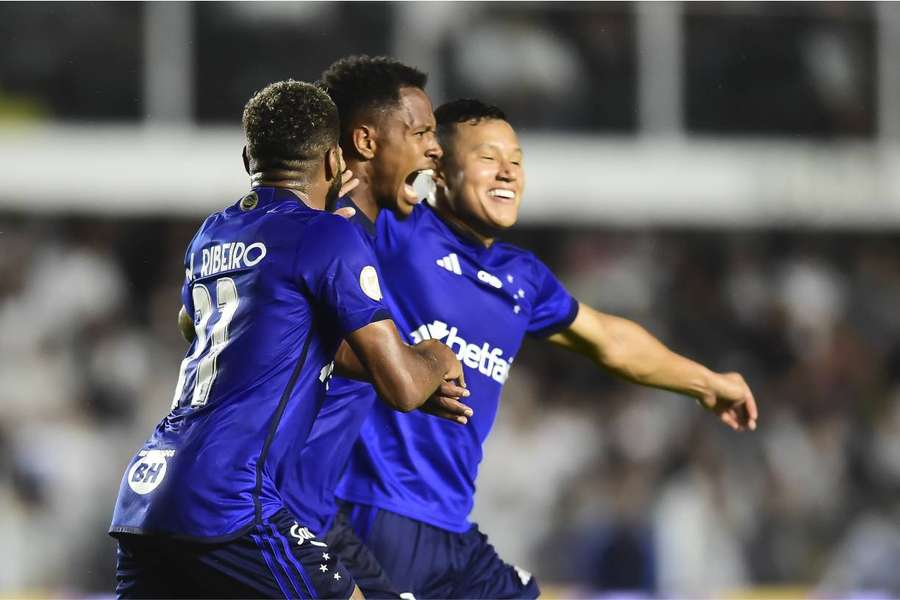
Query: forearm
<point x="186" y="325"/>
<point x="631" y="352"/>
<point x="347" y="364"/>
<point x="405" y="376"/>
<point x="423" y="369"/>
<point x="641" y="358"/>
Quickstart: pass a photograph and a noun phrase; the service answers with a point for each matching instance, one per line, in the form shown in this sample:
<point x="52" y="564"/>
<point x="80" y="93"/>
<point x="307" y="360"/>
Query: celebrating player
<point x="273" y="284"/>
<point x="411" y="479"/>
<point x="388" y="137"/>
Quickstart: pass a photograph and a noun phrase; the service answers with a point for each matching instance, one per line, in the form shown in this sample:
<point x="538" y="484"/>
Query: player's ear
<point x="245" y="156"/>
<point x="334" y="163"/>
<point x="363" y="137"/>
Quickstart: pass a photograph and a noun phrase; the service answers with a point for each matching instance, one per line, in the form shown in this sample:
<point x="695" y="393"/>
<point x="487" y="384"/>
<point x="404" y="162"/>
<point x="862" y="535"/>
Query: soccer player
<point x="388" y="137"/>
<point x="274" y="284"/>
<point x="411" y="479"/>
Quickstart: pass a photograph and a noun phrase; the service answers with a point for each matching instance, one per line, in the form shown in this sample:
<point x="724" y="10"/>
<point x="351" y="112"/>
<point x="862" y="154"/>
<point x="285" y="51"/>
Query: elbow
<point x="405" y="397"/>
<point x="408" y="405"/>
<point x="405" y="404"/>
<point x="410" y="399"/>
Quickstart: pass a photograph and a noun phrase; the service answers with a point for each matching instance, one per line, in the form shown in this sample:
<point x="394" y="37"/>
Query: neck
<point x="288" y="180"/>
<point x="362" y="195"/>
<point x="480" y="235"/>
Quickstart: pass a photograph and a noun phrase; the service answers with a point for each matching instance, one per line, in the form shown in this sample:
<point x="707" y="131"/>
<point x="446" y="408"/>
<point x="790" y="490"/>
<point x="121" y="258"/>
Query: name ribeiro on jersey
<point x="486" y="360"/>
<point x="229" y="256"/>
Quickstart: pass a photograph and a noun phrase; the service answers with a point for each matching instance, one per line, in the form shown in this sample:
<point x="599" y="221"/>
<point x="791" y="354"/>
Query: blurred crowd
<point x="752" y="68"/>
<point x="588" y="482"/>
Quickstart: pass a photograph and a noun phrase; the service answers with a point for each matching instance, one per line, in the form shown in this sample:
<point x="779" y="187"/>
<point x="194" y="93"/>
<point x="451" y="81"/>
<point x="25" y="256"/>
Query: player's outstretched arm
<point x="405" y="376"/>
<point x="630" y="351"/>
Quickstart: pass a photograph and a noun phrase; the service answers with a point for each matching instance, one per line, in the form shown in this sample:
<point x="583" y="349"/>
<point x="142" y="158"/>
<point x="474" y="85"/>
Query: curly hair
<point x="359" y="84"/>
<point x="288" y="122"/>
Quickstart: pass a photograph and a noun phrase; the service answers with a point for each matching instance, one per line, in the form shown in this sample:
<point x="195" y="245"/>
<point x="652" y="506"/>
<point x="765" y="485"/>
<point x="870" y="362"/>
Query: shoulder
<point x="528" y="264"/>
<point x="325" y="230"/>
<point x="511" y="252"/>
<point x="389" y="220"/>
<point x="209" y="224"/>
<point x="324" y="224"/>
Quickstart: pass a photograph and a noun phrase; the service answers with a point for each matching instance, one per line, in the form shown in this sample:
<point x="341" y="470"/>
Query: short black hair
<point x="466" y="110"/>
<point x="359" y="84"/>
<point x="290" y="121"/>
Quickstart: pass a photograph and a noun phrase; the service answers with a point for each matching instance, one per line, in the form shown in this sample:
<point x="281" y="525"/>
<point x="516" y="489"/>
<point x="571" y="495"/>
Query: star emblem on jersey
<point x="323" y="568"/>
<point x="325" y="556"/>
<point x="450" y="262"/>
<point x="337" y="576"/>
<point x="510" y="278"/>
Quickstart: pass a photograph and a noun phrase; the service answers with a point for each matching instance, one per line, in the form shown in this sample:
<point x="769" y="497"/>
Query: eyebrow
<point x="495" y="147"/>
<point x="412" y="125"/>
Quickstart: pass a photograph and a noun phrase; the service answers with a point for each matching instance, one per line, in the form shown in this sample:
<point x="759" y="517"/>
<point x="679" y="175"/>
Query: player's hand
<point x="348" y="182"/>
<point x="731" y="400"/>
<point x="445" y="403"/>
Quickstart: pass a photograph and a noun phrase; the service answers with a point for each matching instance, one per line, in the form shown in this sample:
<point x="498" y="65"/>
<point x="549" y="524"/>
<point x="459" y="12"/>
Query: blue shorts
<point x="277" y="559"/>
<point x="430" y="562"/>
<point x="359" y="560"/>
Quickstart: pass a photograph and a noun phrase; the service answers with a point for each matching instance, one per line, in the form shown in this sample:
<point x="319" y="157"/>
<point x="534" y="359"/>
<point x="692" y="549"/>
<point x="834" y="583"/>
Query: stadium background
<point x="725" y="174"/>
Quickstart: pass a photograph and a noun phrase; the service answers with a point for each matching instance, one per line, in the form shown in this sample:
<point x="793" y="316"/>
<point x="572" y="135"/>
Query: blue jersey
<point x="335" y="430"/>
<point x="479" y="301"/>
<point x="273" y="286"/>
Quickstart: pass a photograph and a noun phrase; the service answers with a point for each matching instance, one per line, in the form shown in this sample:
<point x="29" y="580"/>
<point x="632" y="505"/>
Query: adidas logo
<point x="450" y="262"/>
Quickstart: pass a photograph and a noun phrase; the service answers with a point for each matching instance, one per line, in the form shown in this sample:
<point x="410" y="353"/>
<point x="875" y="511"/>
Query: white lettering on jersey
<point x="146" y="474"/>
<point x="489" y="279"/>
<point x="230" y="256"/>
<point x="325" y="373"/>
<point x="486" y="360"/>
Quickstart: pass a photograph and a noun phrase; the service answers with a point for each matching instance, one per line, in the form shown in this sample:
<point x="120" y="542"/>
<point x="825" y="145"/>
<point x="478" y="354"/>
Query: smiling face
<point x="406" y="145"/>
<point x="483" y="176"/>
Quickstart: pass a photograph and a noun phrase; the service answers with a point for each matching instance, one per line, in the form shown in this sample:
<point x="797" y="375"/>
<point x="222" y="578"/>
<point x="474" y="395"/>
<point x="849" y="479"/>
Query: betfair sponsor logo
<point x="485" y="359"/>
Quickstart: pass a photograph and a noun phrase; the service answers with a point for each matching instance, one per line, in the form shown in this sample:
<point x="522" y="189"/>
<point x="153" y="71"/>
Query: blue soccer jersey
<point x="479" y="301"/>
<point x="335" y="430"/>
<point x="273" y="286"/>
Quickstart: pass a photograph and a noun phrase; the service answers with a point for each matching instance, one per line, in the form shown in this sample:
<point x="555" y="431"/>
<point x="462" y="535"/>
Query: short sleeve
<point x="339" y="269"/>
<point x="554" y="308"/>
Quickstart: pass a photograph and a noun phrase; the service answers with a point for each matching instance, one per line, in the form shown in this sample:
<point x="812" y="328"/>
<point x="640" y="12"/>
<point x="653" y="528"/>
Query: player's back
<point x="259" y="284"/>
